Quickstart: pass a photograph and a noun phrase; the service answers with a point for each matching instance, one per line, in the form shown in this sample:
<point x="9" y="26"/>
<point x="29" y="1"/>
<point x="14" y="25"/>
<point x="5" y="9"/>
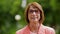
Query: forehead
<point x="32" y="7"/>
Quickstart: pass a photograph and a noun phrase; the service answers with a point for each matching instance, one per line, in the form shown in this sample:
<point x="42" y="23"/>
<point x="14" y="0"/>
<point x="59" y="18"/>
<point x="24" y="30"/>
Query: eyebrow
<point x="33" y="8"/>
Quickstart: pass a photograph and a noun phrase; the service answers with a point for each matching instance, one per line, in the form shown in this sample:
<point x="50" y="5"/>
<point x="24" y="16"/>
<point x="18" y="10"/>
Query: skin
<point x="34" y="17"/>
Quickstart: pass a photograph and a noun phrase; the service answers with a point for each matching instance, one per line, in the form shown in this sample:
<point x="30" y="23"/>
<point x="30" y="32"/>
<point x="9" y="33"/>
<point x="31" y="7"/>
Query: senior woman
<point x="35" y="17"/>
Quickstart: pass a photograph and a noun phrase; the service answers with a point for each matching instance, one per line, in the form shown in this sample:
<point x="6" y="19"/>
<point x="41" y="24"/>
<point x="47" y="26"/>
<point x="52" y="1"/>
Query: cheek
<point x="39" y="16"/>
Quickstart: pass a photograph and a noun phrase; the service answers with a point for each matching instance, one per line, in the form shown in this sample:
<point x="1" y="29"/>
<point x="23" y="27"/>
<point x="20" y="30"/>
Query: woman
<point x="35" y="17"/>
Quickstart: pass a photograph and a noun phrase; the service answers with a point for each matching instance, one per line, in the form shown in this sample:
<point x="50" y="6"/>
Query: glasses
<point x="35" y="10"/>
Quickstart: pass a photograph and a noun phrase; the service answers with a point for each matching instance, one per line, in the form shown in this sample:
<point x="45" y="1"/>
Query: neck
<point x="34" y="27"/>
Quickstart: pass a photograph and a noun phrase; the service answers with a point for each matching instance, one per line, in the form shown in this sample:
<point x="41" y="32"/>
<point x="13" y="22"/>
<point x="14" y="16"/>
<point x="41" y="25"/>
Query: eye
<point x="30" y="11"/>
<point x="35" y="11"/>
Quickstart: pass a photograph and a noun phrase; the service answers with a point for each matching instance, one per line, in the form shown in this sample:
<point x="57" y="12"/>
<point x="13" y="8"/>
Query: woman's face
<point x="33" y="14"/>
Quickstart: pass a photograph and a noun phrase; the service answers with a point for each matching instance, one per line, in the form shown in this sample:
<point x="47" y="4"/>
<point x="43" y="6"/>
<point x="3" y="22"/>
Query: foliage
<point x="10" y="8"/>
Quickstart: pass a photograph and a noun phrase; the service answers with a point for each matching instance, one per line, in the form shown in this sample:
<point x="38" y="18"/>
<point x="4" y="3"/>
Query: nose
<point x="34" y="13"/>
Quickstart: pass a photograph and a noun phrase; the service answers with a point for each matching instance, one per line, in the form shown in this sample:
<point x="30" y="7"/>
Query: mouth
<point x="34" y="18"/>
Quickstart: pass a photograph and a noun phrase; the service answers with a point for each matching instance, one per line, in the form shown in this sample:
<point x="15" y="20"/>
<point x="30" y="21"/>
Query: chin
<point x="34" y="21"/>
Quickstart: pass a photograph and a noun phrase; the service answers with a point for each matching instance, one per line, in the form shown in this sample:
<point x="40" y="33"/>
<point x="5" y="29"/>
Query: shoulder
<point x="49" y="30"/>
<point x="20" y="31"/>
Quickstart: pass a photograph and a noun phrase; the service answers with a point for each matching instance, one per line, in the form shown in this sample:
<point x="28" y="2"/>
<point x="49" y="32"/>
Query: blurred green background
<point x="10" y="22"/>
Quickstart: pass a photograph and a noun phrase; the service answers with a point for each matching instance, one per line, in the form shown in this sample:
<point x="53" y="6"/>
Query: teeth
<point x="34" y="18"/>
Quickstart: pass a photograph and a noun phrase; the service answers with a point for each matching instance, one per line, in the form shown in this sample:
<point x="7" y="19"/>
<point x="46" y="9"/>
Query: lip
<point x="34" y="18"/>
